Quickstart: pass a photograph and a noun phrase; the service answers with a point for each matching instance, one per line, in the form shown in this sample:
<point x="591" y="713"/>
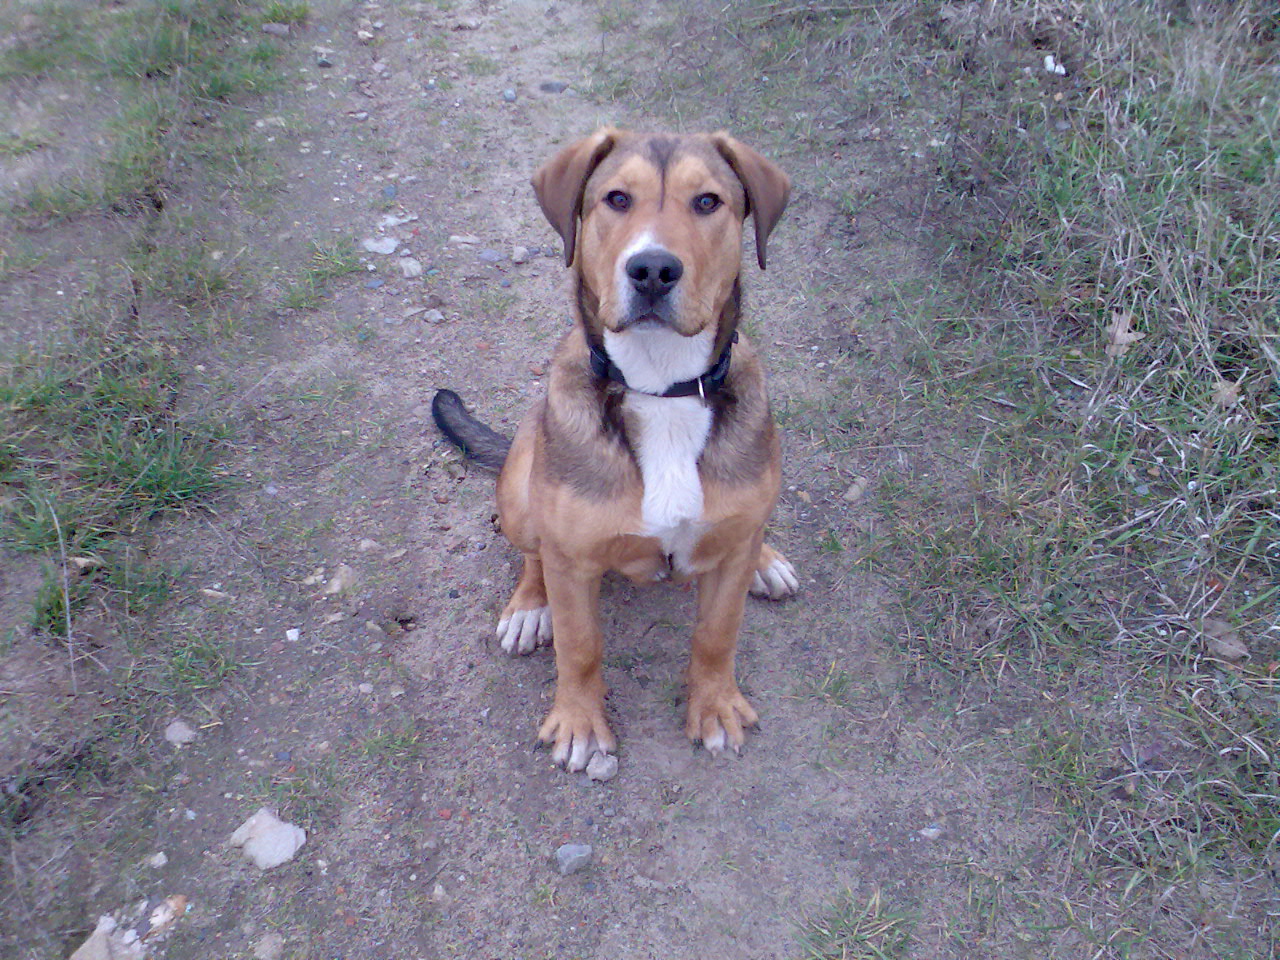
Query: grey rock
<point x="509" y="95"/>
<point x="489" y="255"/>
<point x="323" y="62"/>
<point x="374" y="284"/>
<point x="276" y="29"/>
<point x="572" y="857"/>
<point x="389" y="191"/>
<point x="433" y="316"/>
<point x="602" y="767"/>
<point x="553" y="86"/>
<point x="383" y="245"/>
<point x="519" y="254"/>
<point x="410" y="267"/>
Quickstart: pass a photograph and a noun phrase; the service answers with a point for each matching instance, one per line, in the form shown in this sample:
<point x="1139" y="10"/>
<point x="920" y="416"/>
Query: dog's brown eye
<point x="618" y="200"/>
<point x="706" y="203"/>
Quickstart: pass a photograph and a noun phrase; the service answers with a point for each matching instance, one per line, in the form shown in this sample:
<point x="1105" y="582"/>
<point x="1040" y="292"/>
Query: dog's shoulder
<point x="581" y="421"/>
<point x="743" y="438"/>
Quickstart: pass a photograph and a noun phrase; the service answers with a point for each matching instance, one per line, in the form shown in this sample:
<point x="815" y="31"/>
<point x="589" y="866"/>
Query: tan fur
<point x="570" y="493"/>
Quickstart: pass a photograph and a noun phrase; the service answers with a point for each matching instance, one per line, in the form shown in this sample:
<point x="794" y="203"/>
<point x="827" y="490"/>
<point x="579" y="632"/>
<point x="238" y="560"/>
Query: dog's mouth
<point x="650" y="319"/>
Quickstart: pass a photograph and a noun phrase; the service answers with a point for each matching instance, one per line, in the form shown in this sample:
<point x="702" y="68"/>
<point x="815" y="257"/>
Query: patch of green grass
<point x="286" y="11"/>
<point x="307" y="793"/>
<point x="175" y="63"/>
<point x="57" y="35"/>
<point x="178" y="667"/>
<point x="19" y="255"/>
<point x="92" y="447"/>
<point x="395" y="747"/>
<point x="853" y="929"/>
<point x="21" y="144"/>
<point x="58" y="597"/>
<point x="479" y="65"/>
<point x="329" y="260"/>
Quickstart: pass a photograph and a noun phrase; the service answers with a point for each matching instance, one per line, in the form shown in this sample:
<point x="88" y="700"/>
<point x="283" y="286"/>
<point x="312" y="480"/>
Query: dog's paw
<point x="576" y="732"/>
<point x="522" y="631"/>
<point x="718" y="718"/>
<point x="775" y="577"/>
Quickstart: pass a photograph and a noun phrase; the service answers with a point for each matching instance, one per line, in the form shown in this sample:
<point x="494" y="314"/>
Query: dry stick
<point x="66" y="593"/>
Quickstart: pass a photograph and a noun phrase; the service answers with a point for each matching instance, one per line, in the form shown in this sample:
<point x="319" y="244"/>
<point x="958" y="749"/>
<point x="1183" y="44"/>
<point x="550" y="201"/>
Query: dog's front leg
<point x="718" y="711"/>
<point x="576" y="726"/>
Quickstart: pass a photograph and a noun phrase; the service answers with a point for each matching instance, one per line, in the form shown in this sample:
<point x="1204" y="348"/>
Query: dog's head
<point x="652" y="223"/>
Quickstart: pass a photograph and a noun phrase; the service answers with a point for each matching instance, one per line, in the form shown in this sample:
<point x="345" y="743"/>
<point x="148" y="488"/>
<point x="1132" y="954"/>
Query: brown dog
<point x="653" y="452"/>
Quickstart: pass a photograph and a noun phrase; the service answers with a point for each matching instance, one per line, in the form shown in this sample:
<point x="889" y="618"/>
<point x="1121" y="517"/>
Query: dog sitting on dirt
<point x="653" y="453"/>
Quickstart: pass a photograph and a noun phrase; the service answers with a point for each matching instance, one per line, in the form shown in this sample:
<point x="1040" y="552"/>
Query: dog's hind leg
<point x="525" y="624"/>
<point x="775" y="577"/>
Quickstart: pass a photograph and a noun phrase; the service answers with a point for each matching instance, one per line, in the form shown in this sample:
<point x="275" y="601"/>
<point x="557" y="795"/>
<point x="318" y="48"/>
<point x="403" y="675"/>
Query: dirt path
<point x="392" y="728"/>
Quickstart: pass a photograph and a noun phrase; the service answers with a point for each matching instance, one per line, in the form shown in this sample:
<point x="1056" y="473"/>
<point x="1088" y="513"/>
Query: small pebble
<point x="509" y="95"/>
<point x="602" y="767"/>
<point x="520" y="254"/>
<point x="366" y="688"/>
<point x="283" y="756"/>
<point x="157" y="860"/>
<point x="323" y="62"/>
<point x="553" y="86"/>
<point x="489" y="255"/>
<point x="276" y="29"/>
<point x="410" y="267"/>
<point x="179" y="733"/>
<point x="374" y="284"/>
<point x="389" y="191"/>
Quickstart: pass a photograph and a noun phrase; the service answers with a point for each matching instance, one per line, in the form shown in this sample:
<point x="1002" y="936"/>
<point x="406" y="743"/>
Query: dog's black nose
<point x="654" y="272"/>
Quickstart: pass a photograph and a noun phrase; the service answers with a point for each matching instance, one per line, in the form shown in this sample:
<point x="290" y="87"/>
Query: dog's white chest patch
<point x="668" y="436"/>
<point x="667" y="433"/>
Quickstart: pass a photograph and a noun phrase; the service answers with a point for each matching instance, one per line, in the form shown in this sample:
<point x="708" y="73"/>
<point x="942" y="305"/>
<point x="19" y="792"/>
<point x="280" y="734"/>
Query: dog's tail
<point x="482" y="444"/>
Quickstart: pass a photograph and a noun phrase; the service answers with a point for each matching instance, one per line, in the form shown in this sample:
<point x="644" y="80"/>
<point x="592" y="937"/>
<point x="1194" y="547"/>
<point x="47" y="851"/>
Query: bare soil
<point x="393" y="729"/>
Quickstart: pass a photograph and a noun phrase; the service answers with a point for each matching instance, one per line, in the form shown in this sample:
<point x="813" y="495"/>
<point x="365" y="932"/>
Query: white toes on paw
<point x="524" y="630"/>
<point x="776" y="581"/>
<point x="717" y="741"/>
<point x="575" y="754"/>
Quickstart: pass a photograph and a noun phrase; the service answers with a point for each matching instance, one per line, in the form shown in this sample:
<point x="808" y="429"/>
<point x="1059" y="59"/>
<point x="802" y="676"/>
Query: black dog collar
<point x="703" y="386"/>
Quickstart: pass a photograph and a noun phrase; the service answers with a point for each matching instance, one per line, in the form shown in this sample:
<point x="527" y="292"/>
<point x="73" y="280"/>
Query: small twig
<point x="66" y="592"/>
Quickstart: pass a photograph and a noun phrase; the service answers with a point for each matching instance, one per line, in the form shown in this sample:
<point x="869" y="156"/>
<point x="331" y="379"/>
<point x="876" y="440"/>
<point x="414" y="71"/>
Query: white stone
<point x="383" y="245"/>
<point x="270" y="947"/>
<point x="410" y="267"/>
<point x="179" y="733"/>
<point x="602" y="767"/>
<point x="157" y="860"/>
<point x="344" y="578"/>
<point x="108" y="943"/>
<point x="267" y="840"/>
<point x="293" y="634"/>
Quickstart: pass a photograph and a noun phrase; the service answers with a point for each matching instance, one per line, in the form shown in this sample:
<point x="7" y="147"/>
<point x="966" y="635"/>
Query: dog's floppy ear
<point x="767" y="186"/>
<point x="559" y="183"/>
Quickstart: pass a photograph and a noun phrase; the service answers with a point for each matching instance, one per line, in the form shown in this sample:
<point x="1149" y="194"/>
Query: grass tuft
<point x="852" y="929"/>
